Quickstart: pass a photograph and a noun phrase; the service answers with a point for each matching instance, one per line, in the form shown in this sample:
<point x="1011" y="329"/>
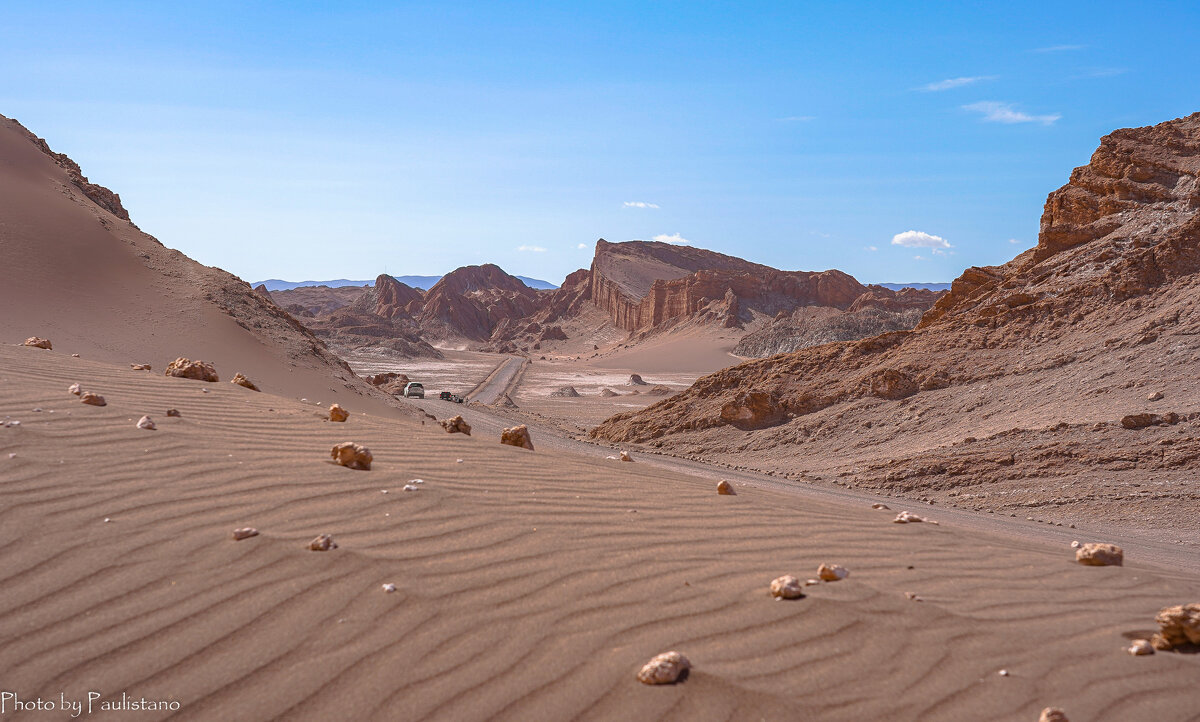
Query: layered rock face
<point x="470" y="302"/>
<point x="1065" y="338"/>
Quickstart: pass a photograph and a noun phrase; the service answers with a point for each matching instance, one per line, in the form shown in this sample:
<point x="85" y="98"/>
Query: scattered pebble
<point x="383" y="491"/>
<point x="1099" y="554"/>
<point x="1003" y="673"/>
<point x="12" y="456"/>
<point x="907" y="517"/>
<point x="74" y="355"/>
<point x="244" y="533"/>
<point x="625" y="456"/>
<point x="9" y="423"/>
<point x="322" y="543"/>
<point x="389" y="588"/>
<point x="881" y="506"/>
<point x="787" y="587"/>
<point x="1140" y="647"/>
<point x="146" y="423"/>
<point x="666" y="668"/>
<point x="1053" y="714"/>
<point x="410" y="487"/>
<point x="913" y="596"/>
<point x="458" y="461"/>
<point x="832" y="572"/>
<point x="92" y="399"/>
<point x="107" y="520"/>
<point x="140" y="367"/>
<point x="241" y="380"/>
<point x="173" y="412"/>
<point x="1156" y="396"/>
<point x="1075" y="544"/>
<point x="37" y="410"/>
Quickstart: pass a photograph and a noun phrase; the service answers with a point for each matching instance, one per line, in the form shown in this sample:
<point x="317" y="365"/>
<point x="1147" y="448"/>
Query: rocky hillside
<point x="1098" y="322"/>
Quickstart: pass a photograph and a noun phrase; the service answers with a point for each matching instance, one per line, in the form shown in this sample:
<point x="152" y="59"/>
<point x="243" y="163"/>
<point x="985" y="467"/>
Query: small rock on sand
<point x="322" y="543"/>
<point x="1053" y="714"/>
<point x="456" y="425"/>
<point x="1177" y="626"/>
<point x="565" y="392"/>
<point x="241" y="380"/>
<point x="1140" y="647"/>
<point x="881" y="506"/>
<point x="660" y="391"/>
<point x="184" y="368"/>
<point x="666" y="668"/>
<point x="352" y="455"/>
<point x="244" y="533"/>
<point x="625" y="456"/>
<point x="1100" y="555"/>
<point x="832" y="572"/>
<point x="907" y="517"/>
<point x="517" y="436"/>
<point x="787" y="587"/>
<point x="1156" y="396"/>
<point x="608" y="393"/>
<point x="146" y="423"/>
<point x="724" y="488"/>
<point x="337" y="413"/>
<point x="140" y="367"/>
<point x="92" y="399"/>
<point x="75" y="389"/>
<point x="37" y="342"/>
<point x="636" y="380"/>
<point x="174" y="412"/>
<point x="389" y="588"/>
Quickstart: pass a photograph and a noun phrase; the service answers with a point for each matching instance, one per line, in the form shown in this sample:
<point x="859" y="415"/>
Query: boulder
<point x="352" y="455"/>
<point x="244" y="533"/>
<point x="907" y="517"/>
<point x="636" y="380"/>
<point x="724" y="488"/>
<point x="36" y="342"/>
<point x="1177" y="626"/>
<point x="752" y="410"/>
<point x="517" y="436"/>
<point x="1139" y="421"/>
<point x="140" y="367"/>
<point x="565" y="392"/>
<point x="92" y="399"/>
<point x="1100" y="555"/>
<point x="337" y="413"/>
<point x="666" y="668"/>
<point x="625" y="456"/>
<point x="386" y="378"/>
<point x="832" y="572"/>
<point x="881" y="506"/>
<point x="75" y="389"/>
<point x="322" y="543"/>
<point x="241" y="380"/>
<point x="787" y="587"/>
<point x="146" y="423"/>
<point x="456" y="425"/>
<point x="184" y="368"/>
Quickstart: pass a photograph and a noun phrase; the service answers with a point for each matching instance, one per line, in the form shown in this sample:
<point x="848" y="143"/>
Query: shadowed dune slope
<point x="74" y="270"/>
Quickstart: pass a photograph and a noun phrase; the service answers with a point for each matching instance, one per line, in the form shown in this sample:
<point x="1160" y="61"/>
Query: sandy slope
<point x="530" y="585"/>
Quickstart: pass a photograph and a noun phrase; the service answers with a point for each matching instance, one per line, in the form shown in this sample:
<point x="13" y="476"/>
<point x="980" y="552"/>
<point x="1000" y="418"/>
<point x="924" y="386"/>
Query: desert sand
<point x="529" y="585"/>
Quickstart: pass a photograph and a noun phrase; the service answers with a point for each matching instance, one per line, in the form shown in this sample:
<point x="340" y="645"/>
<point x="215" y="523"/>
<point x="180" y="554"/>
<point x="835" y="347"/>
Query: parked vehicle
<point x="446" y="396"/>
<point x="456" y="398"/>
<point x="414" y="390"/>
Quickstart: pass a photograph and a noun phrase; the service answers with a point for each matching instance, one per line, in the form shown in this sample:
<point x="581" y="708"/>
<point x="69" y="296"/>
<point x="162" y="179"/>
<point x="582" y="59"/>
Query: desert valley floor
<point x="529" y="584"/>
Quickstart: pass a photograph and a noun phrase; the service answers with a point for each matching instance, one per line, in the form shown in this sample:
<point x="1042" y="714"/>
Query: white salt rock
<point x="146" y="423"/>
<point x="389" y="588"/>
<point x="410" y="487"/>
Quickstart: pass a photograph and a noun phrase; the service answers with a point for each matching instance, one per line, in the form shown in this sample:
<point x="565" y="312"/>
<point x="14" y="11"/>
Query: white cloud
<point x="1058" y="48"/>
<point x="951" y="83"/>
<point x="640" y="204"/>
<point x="995" y="112"/>
<point x="673" y="238"/>
<point x="582" y="246"/>
<point x="918" y="258"/>
<point x="1013" y="240"/>
<point x="531" y="249"/>
<point x="920" y="239"/>
<point x="872" y="249"/>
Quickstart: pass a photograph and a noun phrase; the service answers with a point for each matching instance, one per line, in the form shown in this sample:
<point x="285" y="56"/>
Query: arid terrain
<point x="1036" y="406"/>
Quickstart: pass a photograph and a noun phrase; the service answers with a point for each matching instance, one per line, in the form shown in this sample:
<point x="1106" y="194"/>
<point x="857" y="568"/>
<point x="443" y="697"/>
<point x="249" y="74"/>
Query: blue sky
<point x="294" y="140"/>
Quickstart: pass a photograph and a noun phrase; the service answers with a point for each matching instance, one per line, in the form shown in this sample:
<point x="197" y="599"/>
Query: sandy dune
<point x="529" y="585"/>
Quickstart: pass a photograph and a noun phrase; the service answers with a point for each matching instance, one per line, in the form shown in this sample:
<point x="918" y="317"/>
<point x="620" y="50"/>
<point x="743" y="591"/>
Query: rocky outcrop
<point x="456" y="425"/>
<point x="352" y="455"/>
<point x="470" y="302"/>
<point x="338" y="414"/>
<point x="517" y="436"/>
<point x="185" y="368"/>
<point x="1177" y="626"/>
<point x="98" y="194"/>
<point x="1100" y="555"/>
<point x="241" y="380"/>
<point x="37" y="342"/>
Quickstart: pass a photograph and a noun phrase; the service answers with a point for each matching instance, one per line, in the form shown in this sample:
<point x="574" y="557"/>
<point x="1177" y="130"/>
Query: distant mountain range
<point x="922" y="286"/>
<point x="422" y="282"/>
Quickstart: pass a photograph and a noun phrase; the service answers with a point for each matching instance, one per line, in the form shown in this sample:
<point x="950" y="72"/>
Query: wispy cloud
<point x="995" y="112"/>
<point x="872" y="249"/>
<point x="1058" y="49"/>
<point x="1100" y="73"/>
<point x="951" y="83"/>
<point x="673" y="238"/>
<point x="640" y="204"/>
<point x="1013" y="240"/>
<point x="582" y="246"/>
<point x="920" y="239"/>
<point x="797" y="119"/>
<point x="531" y="249"/>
